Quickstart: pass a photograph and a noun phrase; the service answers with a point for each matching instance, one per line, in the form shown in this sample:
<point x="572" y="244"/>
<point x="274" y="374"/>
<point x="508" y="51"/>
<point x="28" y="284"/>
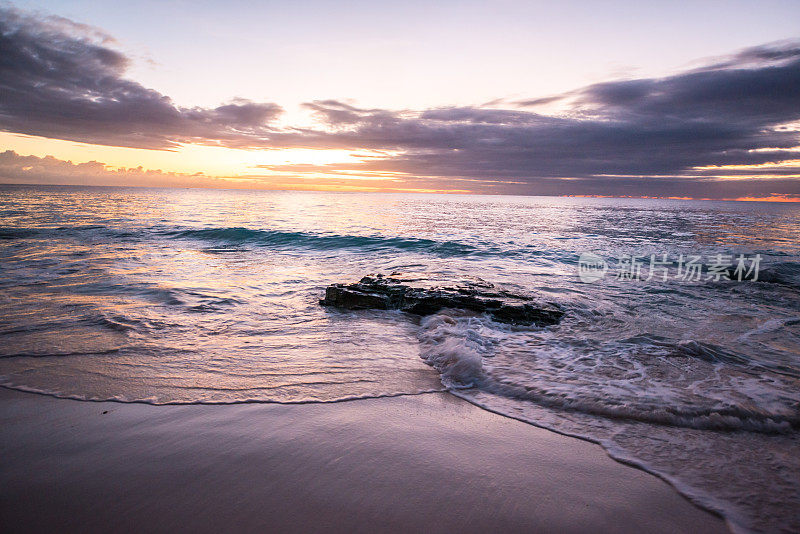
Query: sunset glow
<point x="313" y="266"/>
<point x="113" y="103"/>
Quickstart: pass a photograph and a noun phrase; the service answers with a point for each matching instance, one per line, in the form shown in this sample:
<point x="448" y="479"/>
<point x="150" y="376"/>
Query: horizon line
<point x="783" y="199"/>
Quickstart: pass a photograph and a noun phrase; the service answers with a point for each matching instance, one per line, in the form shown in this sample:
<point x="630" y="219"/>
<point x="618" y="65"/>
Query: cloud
<point x="19" y="169"/>
<point x="63" y="80"/>
<point x="337" y="114"/>
<point x="717" y="116"/>
<point x="541" y="101"/>
<point x="759" y="97"/>
<point x="775" y="53"/>
<point x="735" y="116"/>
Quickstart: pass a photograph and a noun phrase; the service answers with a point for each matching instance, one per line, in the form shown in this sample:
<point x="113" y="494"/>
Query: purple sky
<point x="697" y="99"/>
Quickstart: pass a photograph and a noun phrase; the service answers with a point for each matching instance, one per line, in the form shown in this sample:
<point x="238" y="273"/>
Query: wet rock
<point x="412" y="295"/>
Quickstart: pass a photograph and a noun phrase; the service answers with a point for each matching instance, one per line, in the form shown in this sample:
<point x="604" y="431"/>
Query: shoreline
<point x="430" y="462"/>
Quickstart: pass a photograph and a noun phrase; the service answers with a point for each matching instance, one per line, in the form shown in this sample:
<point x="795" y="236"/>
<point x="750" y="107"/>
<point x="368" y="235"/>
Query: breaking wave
<point x="277" y="238"/>
<point x="643" y="378"/>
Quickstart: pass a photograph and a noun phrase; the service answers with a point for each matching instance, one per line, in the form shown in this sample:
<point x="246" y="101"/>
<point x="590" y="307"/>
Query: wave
<point x="225" y="237"/>
<point x="15" y="232"/>
<point x="460" y="349"/>
<point x="58" y="354"/>
<point x="228" y="239"/>
<point x="10" y="232"/>
<point x="155" y="402"/>
<point x="786" y="273"/>
<point x="278" y="238"/>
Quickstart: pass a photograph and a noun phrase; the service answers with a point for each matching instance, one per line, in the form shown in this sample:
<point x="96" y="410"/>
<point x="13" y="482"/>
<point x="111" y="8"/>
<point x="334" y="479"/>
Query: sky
<point x="669" y="99"/>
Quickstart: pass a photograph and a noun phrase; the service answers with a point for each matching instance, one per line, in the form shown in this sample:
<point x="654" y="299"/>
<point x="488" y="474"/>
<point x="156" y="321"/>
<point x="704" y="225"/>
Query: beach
<point x="424" y="267"/>
<point x="428" y="462"/>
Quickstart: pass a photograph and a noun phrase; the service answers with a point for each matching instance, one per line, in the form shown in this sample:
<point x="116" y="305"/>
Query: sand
<point x="431" y="463"/>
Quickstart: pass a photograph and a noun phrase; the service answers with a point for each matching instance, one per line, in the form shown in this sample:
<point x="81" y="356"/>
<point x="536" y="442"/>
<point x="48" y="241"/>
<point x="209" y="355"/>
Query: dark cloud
<point x="539" y="101"/>
<point x="62" y="80"/>
<point x="480" y="115"/>
<point x="658" y="136"/>
<point x="726" y="115"/>
<point x="775" y="53"/>
<point x="758" y="97"/>
<point x="337" y="114"/>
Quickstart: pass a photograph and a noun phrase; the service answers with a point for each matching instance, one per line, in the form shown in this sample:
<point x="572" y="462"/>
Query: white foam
<point x="647" y="400"/>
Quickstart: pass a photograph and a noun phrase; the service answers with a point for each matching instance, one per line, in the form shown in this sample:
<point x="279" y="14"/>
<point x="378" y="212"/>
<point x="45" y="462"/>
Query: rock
<point x="409" y="295"/>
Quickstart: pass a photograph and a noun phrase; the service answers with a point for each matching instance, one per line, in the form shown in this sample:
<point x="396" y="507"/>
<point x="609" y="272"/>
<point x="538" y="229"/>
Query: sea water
<point x="202" y="296"/>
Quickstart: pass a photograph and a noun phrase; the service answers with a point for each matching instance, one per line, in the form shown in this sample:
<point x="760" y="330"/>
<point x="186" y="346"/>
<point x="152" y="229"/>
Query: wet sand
<point x="431" y="463"/>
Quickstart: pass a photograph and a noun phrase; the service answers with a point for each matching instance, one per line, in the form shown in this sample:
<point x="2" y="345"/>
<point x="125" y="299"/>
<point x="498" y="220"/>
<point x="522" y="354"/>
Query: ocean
<point x="679" y="350"/>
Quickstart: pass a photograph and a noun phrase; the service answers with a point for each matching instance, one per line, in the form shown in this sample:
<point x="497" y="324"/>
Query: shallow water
<point x="186" y="296"/>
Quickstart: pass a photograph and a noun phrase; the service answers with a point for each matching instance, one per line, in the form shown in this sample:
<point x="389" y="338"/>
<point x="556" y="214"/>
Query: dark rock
<point x="412" y="296"/>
